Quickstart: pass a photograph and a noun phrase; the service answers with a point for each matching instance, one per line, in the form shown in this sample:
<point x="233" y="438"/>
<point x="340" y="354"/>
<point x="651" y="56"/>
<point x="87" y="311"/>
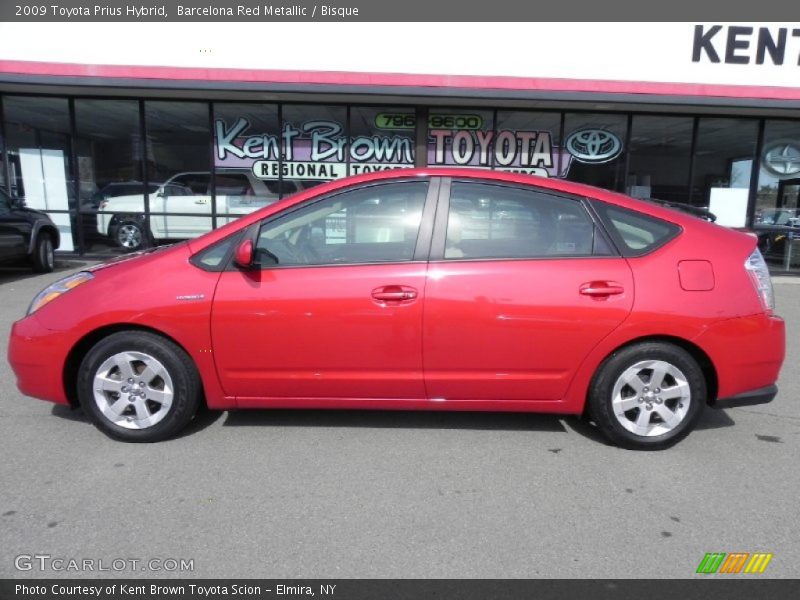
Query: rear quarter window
<point x="635" y="233"/>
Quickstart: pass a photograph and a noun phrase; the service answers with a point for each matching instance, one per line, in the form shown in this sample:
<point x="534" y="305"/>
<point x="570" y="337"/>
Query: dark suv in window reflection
<point x="26" y="234"/>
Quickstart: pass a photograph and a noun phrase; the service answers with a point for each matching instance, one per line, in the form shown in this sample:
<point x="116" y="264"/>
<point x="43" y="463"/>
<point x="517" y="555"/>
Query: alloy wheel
<point x="651" y="397"/>
<point x="133" y="390"/>
<point x="129" y="236"/>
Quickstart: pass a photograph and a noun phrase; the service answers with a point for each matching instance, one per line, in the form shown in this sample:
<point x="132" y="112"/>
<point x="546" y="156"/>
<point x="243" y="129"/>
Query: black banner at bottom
<point x="732" y="588"/>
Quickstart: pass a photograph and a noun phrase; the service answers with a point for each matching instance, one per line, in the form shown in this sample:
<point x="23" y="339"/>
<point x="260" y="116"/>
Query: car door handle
<point x="601" y="288"/>
<point x="394" y="293"/>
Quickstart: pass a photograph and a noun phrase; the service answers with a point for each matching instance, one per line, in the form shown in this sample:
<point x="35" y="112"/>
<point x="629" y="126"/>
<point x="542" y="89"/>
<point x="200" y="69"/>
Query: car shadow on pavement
<point x="396" y="419"/>
<point x="499" y="421"/>
<point x="12" y="274"/>
<point x="713" y="418"/>
<point x="710" y="419"/>
<point x="203" y="419"/>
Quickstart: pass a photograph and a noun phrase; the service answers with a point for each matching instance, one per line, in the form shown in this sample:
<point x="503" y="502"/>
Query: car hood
<point x="135" y="256"/>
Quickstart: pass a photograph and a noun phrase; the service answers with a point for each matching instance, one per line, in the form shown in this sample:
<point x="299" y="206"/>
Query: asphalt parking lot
<point x="286" y="494"/>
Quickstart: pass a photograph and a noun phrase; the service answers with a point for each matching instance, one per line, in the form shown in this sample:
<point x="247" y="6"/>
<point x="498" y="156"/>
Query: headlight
<point x="62" y="286"/>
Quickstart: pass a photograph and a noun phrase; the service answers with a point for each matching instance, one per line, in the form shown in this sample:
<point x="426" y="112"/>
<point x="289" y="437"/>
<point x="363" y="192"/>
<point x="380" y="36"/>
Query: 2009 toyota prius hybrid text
<point x="431" y="289"/>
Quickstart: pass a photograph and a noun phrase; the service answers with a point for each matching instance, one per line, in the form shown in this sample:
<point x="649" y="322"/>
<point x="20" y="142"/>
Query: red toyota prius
<point x="435" y="289"/>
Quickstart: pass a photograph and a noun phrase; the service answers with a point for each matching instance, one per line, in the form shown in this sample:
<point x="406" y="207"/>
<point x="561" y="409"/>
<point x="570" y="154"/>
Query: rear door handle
<point x="601" y="289"/>
<point x="394" y="293"/>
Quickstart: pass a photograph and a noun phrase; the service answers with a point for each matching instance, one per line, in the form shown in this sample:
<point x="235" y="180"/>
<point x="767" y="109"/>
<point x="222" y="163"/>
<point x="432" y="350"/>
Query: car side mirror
<point x="18" y="202"/>
<point x="244" y="255"/>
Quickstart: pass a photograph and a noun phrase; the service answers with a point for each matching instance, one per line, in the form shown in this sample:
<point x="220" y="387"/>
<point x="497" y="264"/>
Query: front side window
<point x="494" y="221"/>
<point x="376" y="224"/>
<point x="213" y="258"/>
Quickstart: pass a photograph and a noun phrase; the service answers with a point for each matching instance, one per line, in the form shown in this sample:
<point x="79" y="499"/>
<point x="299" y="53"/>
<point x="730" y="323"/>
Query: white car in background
<point x="184" y="202"/>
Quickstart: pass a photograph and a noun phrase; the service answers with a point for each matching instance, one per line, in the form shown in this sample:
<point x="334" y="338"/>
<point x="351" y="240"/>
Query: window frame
<point x="236" y="237"/>
<point x="6" y="201"/>
<point x="599" y="207"/>
<point x="439" y="239"/>
<point x="421" y="246"/>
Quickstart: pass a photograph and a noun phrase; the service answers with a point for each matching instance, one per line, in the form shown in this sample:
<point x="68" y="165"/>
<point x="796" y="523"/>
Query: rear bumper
<point x="37" y="357"/>
<point x="747" y="354"/>
<point x="759" y="396"/>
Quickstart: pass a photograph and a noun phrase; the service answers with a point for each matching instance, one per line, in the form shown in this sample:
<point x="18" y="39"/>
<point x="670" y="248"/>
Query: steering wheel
<point x="305" y="246"/>
<point x="286" y="252"/>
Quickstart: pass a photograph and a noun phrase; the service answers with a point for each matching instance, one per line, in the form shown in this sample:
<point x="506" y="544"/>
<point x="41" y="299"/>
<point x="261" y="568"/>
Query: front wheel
<point x="648" y="396"/>
<point x="138" y="387"/>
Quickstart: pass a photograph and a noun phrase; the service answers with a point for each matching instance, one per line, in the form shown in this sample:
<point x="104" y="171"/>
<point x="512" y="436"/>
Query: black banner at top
<point x="394" y="10"/>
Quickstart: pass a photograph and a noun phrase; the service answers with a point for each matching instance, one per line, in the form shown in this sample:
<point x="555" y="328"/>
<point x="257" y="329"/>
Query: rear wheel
<point x="43" y="258"/>
<point x="138" y="387"/>
<point x="648" y="396"/>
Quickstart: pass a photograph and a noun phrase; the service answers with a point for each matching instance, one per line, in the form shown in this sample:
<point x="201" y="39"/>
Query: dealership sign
<point x="594" y="145"/>
<point x="314" y="150"/>
<point x="782" y="158"/>
<point x="319" y="149"/>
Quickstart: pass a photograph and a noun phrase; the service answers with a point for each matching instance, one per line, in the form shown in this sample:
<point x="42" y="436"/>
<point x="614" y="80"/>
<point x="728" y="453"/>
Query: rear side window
<point x="488" y="221"/>
<point x="635" y="233"/>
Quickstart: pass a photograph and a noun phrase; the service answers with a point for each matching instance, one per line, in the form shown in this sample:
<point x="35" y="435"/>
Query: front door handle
<point x="601" y="289"/>
<point x="394" y="293"/>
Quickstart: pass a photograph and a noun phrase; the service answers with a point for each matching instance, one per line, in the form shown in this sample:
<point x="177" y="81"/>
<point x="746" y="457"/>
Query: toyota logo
<point x="594" y="145"/>
<point x="782" y="158"/>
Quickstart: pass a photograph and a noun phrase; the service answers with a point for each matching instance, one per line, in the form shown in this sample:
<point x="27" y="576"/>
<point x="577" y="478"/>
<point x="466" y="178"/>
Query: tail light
<point x="759" y="275"/>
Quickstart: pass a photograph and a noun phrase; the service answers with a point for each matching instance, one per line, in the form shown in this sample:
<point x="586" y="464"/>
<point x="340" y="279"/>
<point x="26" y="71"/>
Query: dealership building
<point x="136" y="134"/>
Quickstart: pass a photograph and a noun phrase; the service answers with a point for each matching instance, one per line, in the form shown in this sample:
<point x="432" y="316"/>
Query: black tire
<point x="130" y="235"/>
<point x="186" y="386"/>
<point x="43" y="257"/>
<point x="765" y="245"/>
<point x="601" y="391"/>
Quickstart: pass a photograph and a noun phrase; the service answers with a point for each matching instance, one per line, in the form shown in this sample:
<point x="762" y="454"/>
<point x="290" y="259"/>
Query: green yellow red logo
<point x="733" y="563"/>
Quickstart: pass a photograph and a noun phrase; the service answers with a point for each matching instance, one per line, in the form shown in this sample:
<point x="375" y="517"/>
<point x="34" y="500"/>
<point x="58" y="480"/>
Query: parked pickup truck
<point x="184" y="202"/>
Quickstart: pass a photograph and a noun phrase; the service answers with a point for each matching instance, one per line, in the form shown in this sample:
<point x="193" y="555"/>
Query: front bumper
<point x="37" y="356"/>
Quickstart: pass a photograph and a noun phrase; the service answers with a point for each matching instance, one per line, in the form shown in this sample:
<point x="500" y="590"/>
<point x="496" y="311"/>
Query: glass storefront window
<point x="38" y="151"/>
<point x="461" y="138"/>
<point x="202" y="164"/>
<point x="381" y="138"/>
<point x="178" y="163"/>
<point x="529" y="142"/>
<point x="314" y="145"/>
<point x="723" y="165"/>
<point x="247" y="140"/>
<point x="595" y="149"/>
<point x="777" y="214"/>
<point x="660" y="150"/>
<point x="2" y="162"/>
<point x="108" y="147"/>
